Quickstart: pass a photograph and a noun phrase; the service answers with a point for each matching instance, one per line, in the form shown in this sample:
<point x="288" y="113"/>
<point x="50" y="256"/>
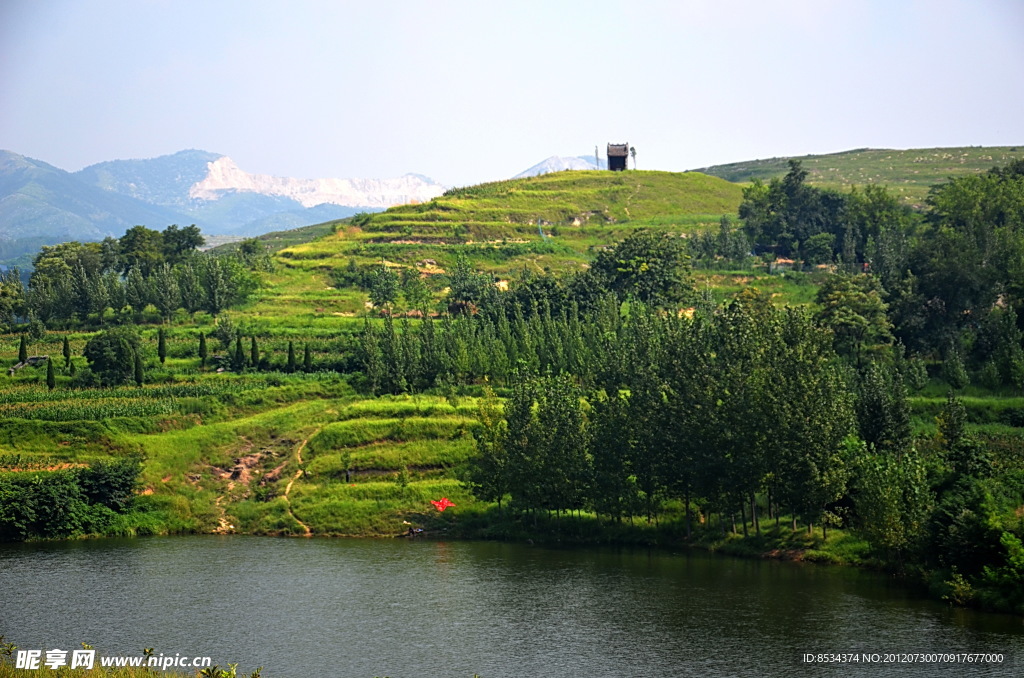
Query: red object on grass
<point x="443" y="504"/>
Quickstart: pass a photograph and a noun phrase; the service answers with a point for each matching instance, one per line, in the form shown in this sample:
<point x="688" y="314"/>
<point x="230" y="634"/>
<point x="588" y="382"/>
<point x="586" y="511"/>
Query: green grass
<point x="357" y="432"/>
<point x="378" y="507"/>
<point x="278" y="240"/>
<point x="908" y="173"/>
<point x="553" y="222"/>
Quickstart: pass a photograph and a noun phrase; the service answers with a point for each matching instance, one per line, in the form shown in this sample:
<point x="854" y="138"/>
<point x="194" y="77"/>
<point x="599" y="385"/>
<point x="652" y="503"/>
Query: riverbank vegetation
<point x="779" y="369"/>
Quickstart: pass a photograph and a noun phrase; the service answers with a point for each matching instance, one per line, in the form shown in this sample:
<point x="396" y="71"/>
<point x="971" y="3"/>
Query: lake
<point x="362" y="608"/>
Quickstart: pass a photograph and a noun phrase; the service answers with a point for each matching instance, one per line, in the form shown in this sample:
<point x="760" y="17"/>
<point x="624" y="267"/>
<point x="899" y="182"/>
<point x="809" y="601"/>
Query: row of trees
<point x="113" y="281"/>
<point x="714" y="410"/>
<point x="116" y="356"/>
<point x="749" y="410"/>
<point x="790" y="218"/>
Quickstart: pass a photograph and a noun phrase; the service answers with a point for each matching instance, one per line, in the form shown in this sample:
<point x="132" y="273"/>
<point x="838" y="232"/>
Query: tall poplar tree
<point x="203" y="352"/>
<point x="239" y="359"/>
<point x="489" y="468"/>
<point x="161" y="345"/>
<point x="139" y="376"/>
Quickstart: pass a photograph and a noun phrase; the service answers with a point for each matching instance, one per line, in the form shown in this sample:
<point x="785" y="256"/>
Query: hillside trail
<point x="287" y="490"/>
<point x="224" y="525"/>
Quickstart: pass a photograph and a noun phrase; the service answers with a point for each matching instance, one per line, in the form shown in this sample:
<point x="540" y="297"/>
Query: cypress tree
<point x="203" y="354"/>
<point x="307" y="359"/>
<point x="254" y="353"/>
<point x="291" y="356"/>
<point x="239" y="360"/>
<point x="72" y="370"/>
<point x="67" y="352"/>
<point x="373" y="358"/>
<point x="138" y="370"/>
<point x="51" y="379"/>
<point x="22" y="350"/>
<point x="161" y="345"/>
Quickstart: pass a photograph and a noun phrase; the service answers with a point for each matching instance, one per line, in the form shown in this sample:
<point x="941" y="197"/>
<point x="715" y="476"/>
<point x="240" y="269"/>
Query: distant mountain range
<point x="41" y="204"/>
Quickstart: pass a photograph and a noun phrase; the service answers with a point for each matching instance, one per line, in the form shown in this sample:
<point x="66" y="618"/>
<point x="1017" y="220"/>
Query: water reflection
<point x="419" y="608"/>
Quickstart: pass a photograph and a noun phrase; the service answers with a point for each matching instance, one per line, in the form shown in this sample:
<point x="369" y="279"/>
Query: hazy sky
<point x="472" y="91"/>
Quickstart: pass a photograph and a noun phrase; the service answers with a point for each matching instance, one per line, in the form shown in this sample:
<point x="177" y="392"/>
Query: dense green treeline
<point x="49" y="504"/>
<point x="949" y="278"/>
<point x="144" y="276"/>
<point x="748" y="412"/>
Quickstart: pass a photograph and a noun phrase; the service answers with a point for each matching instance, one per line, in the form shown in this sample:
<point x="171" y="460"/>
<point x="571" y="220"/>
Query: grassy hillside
<point x="552" y="222"/>
<point x="274" y="453"/>
<point x="271" y="452"/>
<point x="907" y="173"/>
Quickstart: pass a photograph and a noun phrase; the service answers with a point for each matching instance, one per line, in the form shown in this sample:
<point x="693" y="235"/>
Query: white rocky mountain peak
<point x="558" y="163"/>
<point x="223" y="176"/>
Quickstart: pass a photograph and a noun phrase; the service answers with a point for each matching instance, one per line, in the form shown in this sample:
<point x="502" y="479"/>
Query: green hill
<point x="908" y="173"/>
<point x="577" y="198"/>
<point x="550" y="222"/>
<point x="279" y="449"/>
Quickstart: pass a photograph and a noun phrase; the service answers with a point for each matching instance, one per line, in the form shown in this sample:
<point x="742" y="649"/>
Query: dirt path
<point x="287" y="490"/>
<point x="224" y="526"/>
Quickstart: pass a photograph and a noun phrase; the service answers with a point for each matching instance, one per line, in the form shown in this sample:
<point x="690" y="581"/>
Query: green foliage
<point x="953" y="370"/>
<point x="112" y="355"/>
<point x="161" y="345"/>
<point x="50" y="504"/>
<point x="111" y="483"/>
<point x="649" y="267"/>
<point x="1004" y="592"/>
<point x="910" y="173"/>
<point x="75" y="283"/>
<point x="238" y="358"/>
<point x="852" y="307"/>
<point x="203" y="351"/>
<point x="545" y="440"/>
<point x="137" y="370"/>
<point x="893" y="501"/>
<point x="384" y="287"/>
<point x="786" y="215"/>
<point x="468" y="286"/>
<point x="883" y="412"/>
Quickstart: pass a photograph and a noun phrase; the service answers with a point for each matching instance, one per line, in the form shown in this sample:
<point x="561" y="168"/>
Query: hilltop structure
<point x="618" y="155"/>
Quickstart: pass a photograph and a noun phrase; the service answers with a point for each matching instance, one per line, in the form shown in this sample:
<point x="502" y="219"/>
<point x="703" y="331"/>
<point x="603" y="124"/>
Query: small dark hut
<point x="618" y="155"/>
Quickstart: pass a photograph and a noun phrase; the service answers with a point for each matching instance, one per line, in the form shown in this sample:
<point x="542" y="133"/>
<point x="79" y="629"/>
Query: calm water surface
<point x="366" y="608"/>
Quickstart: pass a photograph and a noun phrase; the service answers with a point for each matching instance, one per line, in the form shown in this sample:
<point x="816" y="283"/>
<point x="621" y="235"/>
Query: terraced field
<point x="373" y="468"/>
